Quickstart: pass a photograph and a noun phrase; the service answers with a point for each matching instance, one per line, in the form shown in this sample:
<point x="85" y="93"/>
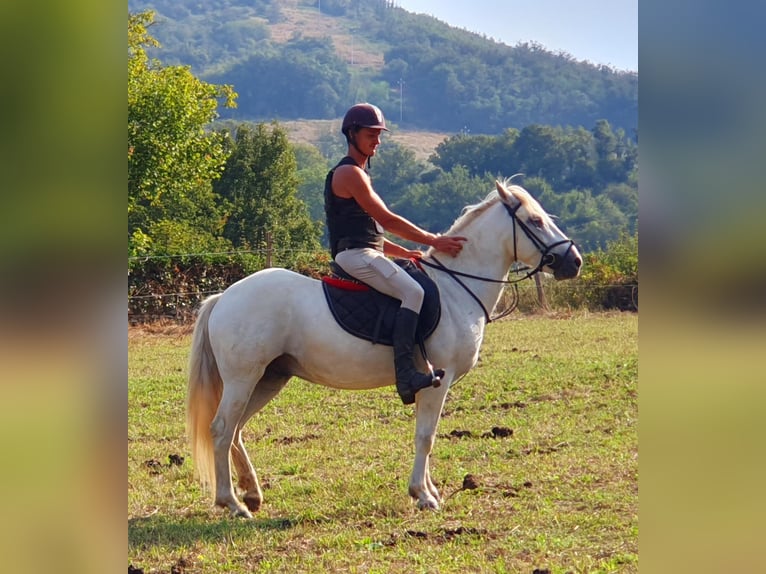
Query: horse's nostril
<point x="578" y="261"/>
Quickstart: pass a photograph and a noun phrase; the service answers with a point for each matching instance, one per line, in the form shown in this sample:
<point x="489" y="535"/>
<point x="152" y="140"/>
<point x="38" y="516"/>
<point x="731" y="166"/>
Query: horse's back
<point x="261" y="306"/>
<point x="273" y="289"/>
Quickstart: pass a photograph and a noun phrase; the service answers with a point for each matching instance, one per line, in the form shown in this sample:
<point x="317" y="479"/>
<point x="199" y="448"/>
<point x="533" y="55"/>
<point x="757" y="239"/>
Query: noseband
<point x="547" y="258"/>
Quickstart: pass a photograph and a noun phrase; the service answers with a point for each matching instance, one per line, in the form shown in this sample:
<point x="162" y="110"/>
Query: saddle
<point x="369" y="314"/>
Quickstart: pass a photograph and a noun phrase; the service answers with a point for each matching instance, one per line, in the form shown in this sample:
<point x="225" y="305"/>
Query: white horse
<point x="275" y="324"/>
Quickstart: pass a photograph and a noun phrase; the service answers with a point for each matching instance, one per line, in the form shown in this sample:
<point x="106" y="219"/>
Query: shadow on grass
<point x="174" y="532"/>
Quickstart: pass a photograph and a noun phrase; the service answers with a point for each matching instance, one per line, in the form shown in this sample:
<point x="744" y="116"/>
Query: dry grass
<point x="349" y="44"/>
<point x="422" y="143"/>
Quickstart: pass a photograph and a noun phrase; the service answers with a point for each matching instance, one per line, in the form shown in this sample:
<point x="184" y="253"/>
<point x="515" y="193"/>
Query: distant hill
<point x="422" y="143"/>
<point x="289" y="61"/>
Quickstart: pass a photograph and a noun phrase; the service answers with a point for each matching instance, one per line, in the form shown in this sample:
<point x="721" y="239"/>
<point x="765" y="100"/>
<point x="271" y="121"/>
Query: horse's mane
<point x="471" y="212"/>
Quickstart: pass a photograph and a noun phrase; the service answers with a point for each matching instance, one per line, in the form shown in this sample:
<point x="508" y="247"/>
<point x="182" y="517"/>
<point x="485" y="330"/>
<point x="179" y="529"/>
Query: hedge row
<point x="173" y="287"/>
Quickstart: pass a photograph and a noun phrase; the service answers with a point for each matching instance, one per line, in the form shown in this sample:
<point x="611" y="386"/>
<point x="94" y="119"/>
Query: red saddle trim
<point x="344" y="284"/>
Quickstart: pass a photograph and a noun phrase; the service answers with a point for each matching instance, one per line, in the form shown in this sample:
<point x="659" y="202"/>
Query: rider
<point x="356" y="220"/>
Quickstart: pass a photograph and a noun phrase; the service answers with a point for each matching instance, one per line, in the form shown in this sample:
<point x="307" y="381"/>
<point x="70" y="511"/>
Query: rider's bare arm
<point x="352" y="181"/>
<point x="395" y="250"/>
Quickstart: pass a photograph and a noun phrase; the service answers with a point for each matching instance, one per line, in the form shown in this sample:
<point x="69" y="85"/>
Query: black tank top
<point x="348" y="225"/>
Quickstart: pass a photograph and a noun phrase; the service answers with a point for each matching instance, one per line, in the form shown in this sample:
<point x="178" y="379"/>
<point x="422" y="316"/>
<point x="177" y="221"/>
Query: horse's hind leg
<point x="234" y="401"/>
<point x="266" y="389"/>
<point x="248" y="480"/>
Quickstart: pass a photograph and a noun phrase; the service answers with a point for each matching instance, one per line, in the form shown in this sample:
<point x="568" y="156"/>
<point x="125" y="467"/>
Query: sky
<point x="599" y="31"/>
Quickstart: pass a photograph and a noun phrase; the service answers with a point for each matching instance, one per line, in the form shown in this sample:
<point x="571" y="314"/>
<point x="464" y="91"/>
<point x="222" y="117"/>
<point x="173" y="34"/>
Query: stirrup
<point x="406" y="392"/>
<point x="437" y="375"/>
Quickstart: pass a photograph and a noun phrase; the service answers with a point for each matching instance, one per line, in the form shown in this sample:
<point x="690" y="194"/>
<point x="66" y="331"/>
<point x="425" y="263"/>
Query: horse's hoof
<point x="240" y="513"/>
<point x="252" y="501"/>
<point x="428" y="504"/>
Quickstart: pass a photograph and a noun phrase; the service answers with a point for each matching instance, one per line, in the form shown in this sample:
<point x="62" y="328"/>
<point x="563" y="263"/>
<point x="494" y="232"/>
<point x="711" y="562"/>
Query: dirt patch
<point x="480" y="485"/>
<point x="513" y="405"/>
<point x="296" y="439"/>
<point x="180" y="566"/>
<point x="443" y="535"/>
<point x="156" y="467"/>
<point x="498" y="432"/>
<point x="495" y="432"/>
<point x="470" y="482"/>
<point x="460" y="434"/>
<point x="545" y="449"/>
<point x="175" y="460"/>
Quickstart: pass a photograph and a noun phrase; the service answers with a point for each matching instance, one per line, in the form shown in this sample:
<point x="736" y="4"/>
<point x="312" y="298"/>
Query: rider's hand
<point x="450" y="244"/>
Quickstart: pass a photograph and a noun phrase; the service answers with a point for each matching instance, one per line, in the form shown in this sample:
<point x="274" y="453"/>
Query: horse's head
<point x="537" y="241"/>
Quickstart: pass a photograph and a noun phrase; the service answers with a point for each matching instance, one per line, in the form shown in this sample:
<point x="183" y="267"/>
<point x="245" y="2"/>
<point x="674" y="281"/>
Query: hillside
<point x="289" y="61"/>
<point x="422" y="143"/>
<point x="310" y="23"/>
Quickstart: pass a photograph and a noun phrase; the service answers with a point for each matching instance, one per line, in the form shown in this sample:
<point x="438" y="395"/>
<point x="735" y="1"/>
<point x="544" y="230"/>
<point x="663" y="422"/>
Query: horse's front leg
<point x="428" y="409"/>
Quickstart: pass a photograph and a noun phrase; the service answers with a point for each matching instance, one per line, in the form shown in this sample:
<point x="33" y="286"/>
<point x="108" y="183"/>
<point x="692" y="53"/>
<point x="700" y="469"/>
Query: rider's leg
<point x="387" y="277"/>
<point x="408" y="379"/>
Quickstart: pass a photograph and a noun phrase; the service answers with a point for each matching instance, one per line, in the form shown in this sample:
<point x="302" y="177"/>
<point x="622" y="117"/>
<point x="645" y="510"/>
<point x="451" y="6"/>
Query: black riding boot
<point x="408" y="379"/>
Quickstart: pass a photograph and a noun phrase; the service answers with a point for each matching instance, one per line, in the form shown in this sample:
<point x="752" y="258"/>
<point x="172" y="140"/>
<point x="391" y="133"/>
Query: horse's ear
<point x="502" y="192"/>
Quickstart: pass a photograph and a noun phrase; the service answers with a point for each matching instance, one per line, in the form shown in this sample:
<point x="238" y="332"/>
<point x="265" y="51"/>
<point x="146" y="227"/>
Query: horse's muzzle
<point x="566" y="266"/>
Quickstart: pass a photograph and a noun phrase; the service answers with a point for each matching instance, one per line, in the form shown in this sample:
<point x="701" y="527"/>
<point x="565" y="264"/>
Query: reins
<point x="547" y="258"/>
<point x="457" y="274"/>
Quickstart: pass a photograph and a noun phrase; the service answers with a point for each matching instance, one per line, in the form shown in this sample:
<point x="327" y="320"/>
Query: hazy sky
<point x="600" y="31"/>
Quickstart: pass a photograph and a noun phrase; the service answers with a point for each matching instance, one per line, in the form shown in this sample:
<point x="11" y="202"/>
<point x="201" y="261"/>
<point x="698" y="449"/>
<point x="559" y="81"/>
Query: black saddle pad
<point x="370" y="314"/>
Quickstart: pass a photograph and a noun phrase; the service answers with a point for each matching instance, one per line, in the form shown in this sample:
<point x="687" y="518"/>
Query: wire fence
<point x="171" y="287"/>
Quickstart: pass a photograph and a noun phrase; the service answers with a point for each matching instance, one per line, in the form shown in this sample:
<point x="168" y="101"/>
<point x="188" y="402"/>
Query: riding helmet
<point x="363" y="116"/>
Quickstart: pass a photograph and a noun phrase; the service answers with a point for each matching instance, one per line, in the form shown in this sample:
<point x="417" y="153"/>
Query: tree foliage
<point x="196" y="193"/>
<point x="171" y="157"/>
<point x="302" y="78"/>
<point x="442" y="78"/>
<point x="259" y="185"/>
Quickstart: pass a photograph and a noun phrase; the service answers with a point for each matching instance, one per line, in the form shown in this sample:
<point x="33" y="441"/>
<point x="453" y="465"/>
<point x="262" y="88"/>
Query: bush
<point x="173" y="286"/>
<point x="609" y="279"/>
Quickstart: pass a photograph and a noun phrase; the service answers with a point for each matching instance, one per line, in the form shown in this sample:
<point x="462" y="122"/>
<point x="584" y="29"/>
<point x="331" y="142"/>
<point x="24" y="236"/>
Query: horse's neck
<point x="484" y="255"/>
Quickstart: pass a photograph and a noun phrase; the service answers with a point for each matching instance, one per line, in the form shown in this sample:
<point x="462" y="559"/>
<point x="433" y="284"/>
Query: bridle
<point x="547" y="259"/>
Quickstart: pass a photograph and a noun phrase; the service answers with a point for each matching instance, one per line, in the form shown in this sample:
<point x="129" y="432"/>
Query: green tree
<point x="312" y="171"/>
<point x="616" y="155"/>
<point x="579" y="150"/>
<point x="171" y="157"/>
<point x="538" y="152"/>
<point x="437" y="205"/>
<point x="393" y="170"/>
<point x="479" y="154"/>
<point x="259" y="185"/>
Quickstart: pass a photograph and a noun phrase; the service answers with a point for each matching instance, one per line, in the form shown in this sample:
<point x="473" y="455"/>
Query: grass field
<point x="536" y="457"/>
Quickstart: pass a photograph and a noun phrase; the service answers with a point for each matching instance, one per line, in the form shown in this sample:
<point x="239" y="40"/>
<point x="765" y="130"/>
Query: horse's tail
<point x="202" y="396"/>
